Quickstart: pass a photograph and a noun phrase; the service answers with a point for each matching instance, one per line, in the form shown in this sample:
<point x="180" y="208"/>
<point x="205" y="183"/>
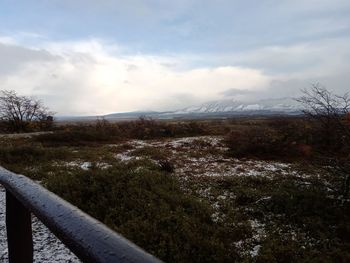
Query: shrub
<point x="148" y="207"/>
<point x="29" y="154"/>
<point x="166" y="165"/>
<point x="256" y="141"/>
<point x="320" y="225"/>
<point x="82" y="134"/>
<point x="103" y="131"/>
<point x="146" y="128"/>
<point x="275" y="138"/>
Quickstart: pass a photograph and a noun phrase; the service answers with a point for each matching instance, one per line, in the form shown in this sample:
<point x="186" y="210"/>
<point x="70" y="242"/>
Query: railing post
<point x="19" y="231"/>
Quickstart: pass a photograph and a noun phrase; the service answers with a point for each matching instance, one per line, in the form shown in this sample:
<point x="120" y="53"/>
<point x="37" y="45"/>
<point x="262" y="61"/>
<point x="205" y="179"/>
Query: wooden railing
<point x="87" y="238"/>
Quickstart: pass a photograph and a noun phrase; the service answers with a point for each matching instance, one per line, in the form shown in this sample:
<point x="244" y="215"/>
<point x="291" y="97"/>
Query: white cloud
<point x="97" y="77"/>
<point x="85" y="77"/>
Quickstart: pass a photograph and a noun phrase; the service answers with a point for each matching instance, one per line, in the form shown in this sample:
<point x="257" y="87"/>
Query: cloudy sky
<point x="95" y="57"/>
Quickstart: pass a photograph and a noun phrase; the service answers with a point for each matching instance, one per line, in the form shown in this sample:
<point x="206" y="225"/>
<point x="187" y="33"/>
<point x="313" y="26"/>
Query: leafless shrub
<point x="330" y="111"/>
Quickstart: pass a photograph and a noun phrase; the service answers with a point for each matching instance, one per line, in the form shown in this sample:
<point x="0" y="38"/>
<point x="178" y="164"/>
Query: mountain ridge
<point x="216" y="108"/>
<point x="285" y="104"/>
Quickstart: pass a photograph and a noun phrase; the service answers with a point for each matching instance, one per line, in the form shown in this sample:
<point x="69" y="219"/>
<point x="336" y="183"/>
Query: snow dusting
<point x="190" y="159"/>
<point x="47" y="248"/>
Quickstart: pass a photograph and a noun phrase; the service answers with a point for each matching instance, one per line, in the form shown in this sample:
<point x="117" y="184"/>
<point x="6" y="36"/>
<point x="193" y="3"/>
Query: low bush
<point x="103" y="131"/>
<point x="82" y="134"/>
<point x="166" y="165"/>
<point x="148" y="207"/>
<point x="286" y="138"/>
<point x="145" y="128"/>
<point x="320" y="226"/>
<point x="30" y="154"/>
<point x="262" y="142"/>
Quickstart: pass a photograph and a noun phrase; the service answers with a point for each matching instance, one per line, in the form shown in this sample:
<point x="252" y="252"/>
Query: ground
<point x="254" y="201"/>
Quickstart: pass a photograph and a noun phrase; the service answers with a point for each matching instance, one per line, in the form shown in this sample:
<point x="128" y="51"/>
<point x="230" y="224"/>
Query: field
<point x="200" y="191"/>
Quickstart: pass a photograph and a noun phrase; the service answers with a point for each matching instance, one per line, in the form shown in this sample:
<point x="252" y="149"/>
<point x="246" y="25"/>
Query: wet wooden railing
<point x="87" y="238"/>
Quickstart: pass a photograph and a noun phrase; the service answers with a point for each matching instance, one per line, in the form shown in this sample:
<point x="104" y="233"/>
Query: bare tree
<point x="332" y="114"/>
<point x="21" y="111"/>
<point x="330" y="110"/>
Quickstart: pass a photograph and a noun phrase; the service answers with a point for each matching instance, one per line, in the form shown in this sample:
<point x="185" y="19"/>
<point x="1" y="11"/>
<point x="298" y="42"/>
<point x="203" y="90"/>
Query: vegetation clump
<point x="147" y="206"/>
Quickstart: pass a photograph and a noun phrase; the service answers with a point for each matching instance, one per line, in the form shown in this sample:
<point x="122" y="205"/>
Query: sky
<point x="87" y="57"/>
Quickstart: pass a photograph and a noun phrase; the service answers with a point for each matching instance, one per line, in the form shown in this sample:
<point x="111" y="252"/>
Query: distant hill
<point x="212" y="109"/>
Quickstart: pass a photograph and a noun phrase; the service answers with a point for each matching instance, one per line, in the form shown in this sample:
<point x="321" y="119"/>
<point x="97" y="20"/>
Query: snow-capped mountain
<point x="220" y="108"/>
<point x="284" y="105"/>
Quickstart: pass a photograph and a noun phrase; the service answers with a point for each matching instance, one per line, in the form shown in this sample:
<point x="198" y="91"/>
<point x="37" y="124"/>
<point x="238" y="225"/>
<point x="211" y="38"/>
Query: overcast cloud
<point x="97" y="57"/>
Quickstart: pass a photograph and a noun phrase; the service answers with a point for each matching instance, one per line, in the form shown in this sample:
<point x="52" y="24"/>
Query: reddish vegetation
<point x="348" y="117"/>
<point x="305" y="150"/>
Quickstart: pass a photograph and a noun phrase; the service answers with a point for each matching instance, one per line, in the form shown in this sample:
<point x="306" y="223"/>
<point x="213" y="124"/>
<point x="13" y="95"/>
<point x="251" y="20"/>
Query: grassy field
<point x="243" y="190"/>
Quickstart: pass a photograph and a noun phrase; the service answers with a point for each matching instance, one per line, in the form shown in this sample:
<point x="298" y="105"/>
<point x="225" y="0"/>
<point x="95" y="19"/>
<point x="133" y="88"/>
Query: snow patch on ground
<point x="185" y="142"/>
<point x="185" y="154"/>
<point x="211" y="166"/>
<point x="47" y="248"/>
<point x="124" y="156"/>
<point x="251" y="246"/>
<point x="214" y="141"/>
<point x="85" y="165"/>
<point x="258" y="234"/>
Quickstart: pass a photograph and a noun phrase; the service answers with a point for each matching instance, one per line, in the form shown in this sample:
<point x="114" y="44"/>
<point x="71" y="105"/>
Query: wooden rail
<point x="87" y="238"/>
